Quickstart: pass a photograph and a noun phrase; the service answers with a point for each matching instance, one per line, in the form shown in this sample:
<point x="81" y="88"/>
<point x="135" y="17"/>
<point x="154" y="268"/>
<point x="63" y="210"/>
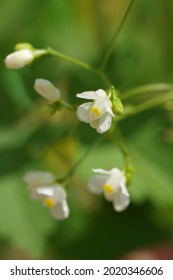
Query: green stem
<point x="146" y="89"/>
<point x="111" y="44"/>
<point x="79" y="161"/>
<point x="128" y="168"/>
<point x="104" y="79"/>
<point x="70" y="59"/>
<point x="119" y="139"/>
<point x="67" y="105"/>
<point x="149" y="104"/>
<point x="84" y="65"/>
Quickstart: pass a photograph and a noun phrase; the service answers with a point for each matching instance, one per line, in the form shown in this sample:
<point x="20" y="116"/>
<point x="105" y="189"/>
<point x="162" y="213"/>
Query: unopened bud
<point x="47" y="90"/>
<point x="19" y="59"/>
<point x="117" y="106"/>
<point x="23" y="55"/>
<point x="129" y="172"/>
<point x="23" y="46"/>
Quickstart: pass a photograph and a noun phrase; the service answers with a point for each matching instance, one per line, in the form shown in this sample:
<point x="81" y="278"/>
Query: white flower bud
<point x="47" y="90"/>
<point x="19" y="59"/>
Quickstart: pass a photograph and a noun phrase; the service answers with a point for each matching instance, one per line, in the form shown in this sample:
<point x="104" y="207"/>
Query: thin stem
<point x="79" y="161"/>
<point x="104" y="79"/>
<point x="149" y="104"/>
<point x="79" y="63"/>
<point x="67" y="105"/>
<point x="111" y="44"/>
<point x="146" y="89"/>
<point x="128" y="168"/>
<point x="71" y="60"/>
<point x="119" y="139"/>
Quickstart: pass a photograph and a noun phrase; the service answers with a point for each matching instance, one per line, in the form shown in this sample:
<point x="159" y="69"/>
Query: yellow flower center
<point x="95" y="111"/>
<point x="49" y="202"/>
<point x="108" y="188"/>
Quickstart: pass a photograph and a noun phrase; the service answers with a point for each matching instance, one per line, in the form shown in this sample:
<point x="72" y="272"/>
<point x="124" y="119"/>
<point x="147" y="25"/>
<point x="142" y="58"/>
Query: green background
<point x="143" y="53"/>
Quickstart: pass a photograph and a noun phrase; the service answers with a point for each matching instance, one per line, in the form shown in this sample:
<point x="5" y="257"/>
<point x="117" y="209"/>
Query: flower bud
<point x="47" y="90"/>
<point x="19" y="59"/>
<point x="117" y="106"/>
<point x="129" y="172"/>
<point x="23" y="46"/>
<point x="23" y="55"/>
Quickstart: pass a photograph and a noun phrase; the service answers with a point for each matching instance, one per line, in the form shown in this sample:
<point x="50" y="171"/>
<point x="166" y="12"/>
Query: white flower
<point x="19" y="59"/>
<point x="54" y="197"/>
<point x="43" y="187"/>
<point x="47" y="90"/>
<point x="97" y="113"/>
<point x="113" y="184"/>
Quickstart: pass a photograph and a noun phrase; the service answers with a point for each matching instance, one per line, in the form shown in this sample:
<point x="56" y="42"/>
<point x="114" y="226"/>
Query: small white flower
<point x="19" y="59"/>
<point x="113" y="184"/>
<point x="47" y="90"/>
<point x="43" y="187"/>
<point x="54" y="197"/>
<point x="97" y="113"/>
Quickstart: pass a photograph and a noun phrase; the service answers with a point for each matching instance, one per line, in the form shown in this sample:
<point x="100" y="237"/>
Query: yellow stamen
<point x="95" y="111"/>
<point x="49" y="202"/>
<point x="108" y="188"/>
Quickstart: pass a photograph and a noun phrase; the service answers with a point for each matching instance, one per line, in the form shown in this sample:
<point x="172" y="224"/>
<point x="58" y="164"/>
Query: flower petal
<point x="45" y="191"/>
<point x="121" y="200"/>
<point x="59" y="193"/>
<point x="102" y="171"/>
<point x="87" y="95"/>
<point x="83" y="112"/>
<point x="94" y="124"/>
<point x="39" y="178"/>
<point x="101" y="93"/>
<point x="105" y="123"/>
<point x="96" y="183"/>
<point x="61" y="210"/>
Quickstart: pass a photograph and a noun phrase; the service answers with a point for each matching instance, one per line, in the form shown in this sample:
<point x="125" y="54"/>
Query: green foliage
<point x="142" y="54"/>
<point x="18" y="219"/>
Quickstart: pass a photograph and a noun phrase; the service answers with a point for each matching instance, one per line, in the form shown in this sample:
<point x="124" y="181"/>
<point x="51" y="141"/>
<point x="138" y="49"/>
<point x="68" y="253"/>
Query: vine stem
<point x="146" y="88"/>
<point x="79" y="161"/>
<point x="71" y="59"/>
<point x="115" y="35"/>
<point x="82" y="64"/>
<point x="149" y="104"/>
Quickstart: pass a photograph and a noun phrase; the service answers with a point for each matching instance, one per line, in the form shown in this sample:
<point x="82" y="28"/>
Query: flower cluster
<point x="98" y="112"/>
<point x="43" y="187"/>
<point x="102" y="107"/>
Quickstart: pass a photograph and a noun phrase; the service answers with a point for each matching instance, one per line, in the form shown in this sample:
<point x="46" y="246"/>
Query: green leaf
<point x="153" y="162"/>
<point x="17" y="135"/>
<point x="16" y="89"/>
<point x="25" y="223"/>
<point x="105" y="156"/>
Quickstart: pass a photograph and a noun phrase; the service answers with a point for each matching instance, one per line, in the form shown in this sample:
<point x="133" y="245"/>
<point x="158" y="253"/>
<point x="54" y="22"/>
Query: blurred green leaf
<point x="16" y="136"/>
<point x="15" y="88"/>
<point x="26" y="224"/>
<point x="153" y="160"/>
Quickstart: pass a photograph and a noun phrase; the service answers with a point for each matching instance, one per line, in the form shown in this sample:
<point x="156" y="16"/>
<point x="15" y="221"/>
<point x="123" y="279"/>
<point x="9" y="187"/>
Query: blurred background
<point x="143" y="54"/>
